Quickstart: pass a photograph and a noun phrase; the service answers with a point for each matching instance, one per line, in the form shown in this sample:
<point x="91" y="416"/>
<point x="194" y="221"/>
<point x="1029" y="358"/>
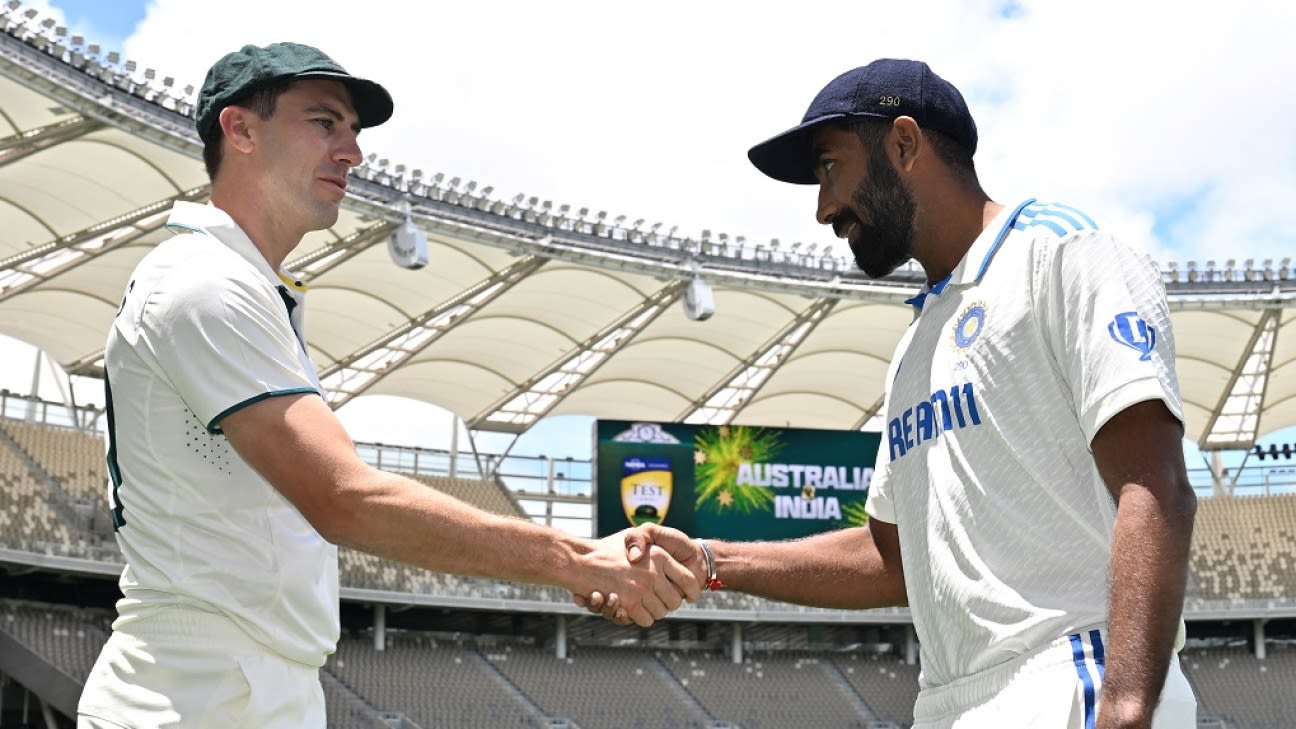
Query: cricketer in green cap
<point x="239" y="74"/>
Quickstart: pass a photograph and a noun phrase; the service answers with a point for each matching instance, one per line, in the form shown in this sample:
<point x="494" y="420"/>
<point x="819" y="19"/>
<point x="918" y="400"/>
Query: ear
<point x="906" y="142"/>
<point x="236" y="123"/>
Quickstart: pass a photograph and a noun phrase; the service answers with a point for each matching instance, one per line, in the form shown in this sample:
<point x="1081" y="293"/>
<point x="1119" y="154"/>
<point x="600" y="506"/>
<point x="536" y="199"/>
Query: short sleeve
<point x="223" y="344"/>
<point x="879" y="504"/>
<point x="1104" y="307"/>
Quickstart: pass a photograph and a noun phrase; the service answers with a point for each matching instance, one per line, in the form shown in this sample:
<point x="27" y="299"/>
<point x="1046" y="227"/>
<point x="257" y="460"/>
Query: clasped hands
<point x="640" y="575"/>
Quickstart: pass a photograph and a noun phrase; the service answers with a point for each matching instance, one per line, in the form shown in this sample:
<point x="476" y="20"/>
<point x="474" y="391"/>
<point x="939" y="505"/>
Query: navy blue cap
<point x="885" y="89"/>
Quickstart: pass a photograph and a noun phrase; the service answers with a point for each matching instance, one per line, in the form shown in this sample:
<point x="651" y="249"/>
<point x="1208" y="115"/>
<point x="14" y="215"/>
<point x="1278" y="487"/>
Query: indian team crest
<point x="646" y="486"/>
<point x="969" y="325"/>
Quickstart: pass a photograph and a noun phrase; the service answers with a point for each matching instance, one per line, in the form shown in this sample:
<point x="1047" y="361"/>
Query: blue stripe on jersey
<point x="1080" y="213"/>
<point x="1078" y="655"/>
<point x="917" y="300"/>
<point x="1100" y="657"/>
<point x="1013" y="221"/>
<point x="1058" y="218"/>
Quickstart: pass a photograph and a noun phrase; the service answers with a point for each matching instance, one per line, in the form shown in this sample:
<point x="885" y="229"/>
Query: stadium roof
<point x="526" y="309"/>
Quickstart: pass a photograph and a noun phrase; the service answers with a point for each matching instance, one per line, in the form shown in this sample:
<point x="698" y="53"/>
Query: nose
<point x="348" y="152"/>
<point x="827" y="207"/>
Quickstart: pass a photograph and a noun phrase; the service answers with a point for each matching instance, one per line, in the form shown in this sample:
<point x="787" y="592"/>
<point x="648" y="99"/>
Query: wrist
<point x="711" y="580"/>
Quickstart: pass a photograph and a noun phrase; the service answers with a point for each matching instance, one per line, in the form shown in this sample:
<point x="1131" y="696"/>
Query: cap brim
<point x="371" y="101"/>
<point x="789" y="157"/>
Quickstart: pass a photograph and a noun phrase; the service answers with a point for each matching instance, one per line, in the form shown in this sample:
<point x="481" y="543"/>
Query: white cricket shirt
<point x="204" y="330"/>
<point x="1045" y="330"/>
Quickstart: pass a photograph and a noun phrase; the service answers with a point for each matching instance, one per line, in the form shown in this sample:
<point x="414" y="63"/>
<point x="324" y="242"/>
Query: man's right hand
<point x="641" y="541"/>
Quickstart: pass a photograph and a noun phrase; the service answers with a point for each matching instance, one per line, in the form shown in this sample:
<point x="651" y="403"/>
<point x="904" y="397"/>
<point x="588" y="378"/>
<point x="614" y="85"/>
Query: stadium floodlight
<point x="408" y="246"/>
<point x="454" y="182"/>
<point x="584" y="212"/>
<point x="518" y="198"/>
<point x="189" y="89"/>
<point x="486" y="191"/>
<point x="699" y="300"/>
<point x="30" y="13"/>
<point x="114" y="58"/>
<point x="14" y="4"/>
<point x="416" y="173"/>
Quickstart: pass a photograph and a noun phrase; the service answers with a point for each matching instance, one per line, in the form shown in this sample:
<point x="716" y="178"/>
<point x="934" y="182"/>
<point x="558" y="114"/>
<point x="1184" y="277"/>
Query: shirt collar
<point x="210" y="220"/>
<point x="977" y="259"/>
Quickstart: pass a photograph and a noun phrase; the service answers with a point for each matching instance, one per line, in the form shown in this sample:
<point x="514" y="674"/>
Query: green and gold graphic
<point x="720" y="451"/>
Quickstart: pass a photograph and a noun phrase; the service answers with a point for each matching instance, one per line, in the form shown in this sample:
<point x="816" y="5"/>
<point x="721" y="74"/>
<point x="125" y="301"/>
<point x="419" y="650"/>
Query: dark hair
<point x="952" y="153"/>
<point x="261" y="102"/>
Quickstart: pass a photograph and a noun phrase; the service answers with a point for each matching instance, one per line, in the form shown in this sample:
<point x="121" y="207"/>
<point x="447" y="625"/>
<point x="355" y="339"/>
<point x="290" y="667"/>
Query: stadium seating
<point x="1248" y="693"/>
<point x="26" y="520"/>
<point x="767" y="690"/>
<point x="74" y="458"/>
<point x="67" y="638"/>
<point x="600" y="687"/>
<point x="435" y="682"/>
<point x="886" y="683"/>
<point x="1245" y="548"/>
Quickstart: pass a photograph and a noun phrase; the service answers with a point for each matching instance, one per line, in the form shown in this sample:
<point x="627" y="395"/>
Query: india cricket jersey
<point x="1046" y="329"/>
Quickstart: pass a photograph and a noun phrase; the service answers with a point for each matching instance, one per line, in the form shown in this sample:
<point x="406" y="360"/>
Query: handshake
<point x="642" y="574"/>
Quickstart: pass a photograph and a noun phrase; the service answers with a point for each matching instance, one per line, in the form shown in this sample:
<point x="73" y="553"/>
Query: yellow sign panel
<point x="646" y="486"/>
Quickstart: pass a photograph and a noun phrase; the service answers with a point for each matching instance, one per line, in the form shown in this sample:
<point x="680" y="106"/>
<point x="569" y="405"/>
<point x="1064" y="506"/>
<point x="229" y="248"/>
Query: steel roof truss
<point x="722" y="403"/>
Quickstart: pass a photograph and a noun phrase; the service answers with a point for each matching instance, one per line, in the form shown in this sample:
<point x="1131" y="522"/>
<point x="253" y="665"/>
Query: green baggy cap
<point x="234" y="78"/>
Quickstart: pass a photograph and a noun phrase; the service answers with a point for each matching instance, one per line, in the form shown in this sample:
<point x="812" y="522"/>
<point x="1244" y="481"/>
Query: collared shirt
<point x="1044" y="331"/>
<point x="207" y="327"/>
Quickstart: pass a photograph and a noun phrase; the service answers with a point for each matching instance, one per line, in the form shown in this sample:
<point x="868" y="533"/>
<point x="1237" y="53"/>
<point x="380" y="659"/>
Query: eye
<point x="324" y="122"/>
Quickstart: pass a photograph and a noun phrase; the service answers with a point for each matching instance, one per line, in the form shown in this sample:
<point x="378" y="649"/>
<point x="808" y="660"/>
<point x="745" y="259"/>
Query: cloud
<point x="1129" y="110"/>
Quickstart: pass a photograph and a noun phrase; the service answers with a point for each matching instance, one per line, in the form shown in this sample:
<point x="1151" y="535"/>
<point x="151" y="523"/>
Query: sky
<point x="1168" y="123"/>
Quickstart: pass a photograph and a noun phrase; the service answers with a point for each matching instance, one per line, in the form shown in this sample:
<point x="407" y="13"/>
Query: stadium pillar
<point x="1220" y="488"/>
<point x="911" y="646"/>
<point x="1258" y="635"/>
<point x="48" y="715"/>
<point x="454" y="446"/>
<point x="560" y="639"/>
<point x="736" y="649"/>
<point x="380" y="627"/>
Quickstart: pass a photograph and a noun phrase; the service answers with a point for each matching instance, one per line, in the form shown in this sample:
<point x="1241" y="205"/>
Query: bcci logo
<point x="969" y="325"/>
<point x="646" y="486"/>
<point x="1130" y="330"/>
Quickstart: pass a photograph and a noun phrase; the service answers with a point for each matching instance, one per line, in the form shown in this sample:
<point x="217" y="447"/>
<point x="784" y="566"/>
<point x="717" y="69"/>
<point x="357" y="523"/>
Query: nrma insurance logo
<point x="1129" y="329"/>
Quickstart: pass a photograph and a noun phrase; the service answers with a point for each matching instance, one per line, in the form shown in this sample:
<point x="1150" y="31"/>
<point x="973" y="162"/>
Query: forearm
<point x="842" y="569"/>
<point x="406" y="521"/>
<point x="1147" y="576"/>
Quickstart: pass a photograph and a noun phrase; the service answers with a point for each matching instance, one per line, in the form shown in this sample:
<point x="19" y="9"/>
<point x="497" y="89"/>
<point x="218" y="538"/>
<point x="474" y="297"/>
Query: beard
<point x="882" y="246"/>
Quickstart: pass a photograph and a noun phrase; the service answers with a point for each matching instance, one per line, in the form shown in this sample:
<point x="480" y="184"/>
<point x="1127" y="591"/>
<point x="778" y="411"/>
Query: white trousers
<point x="188" y="669"/>
<point x="1058" y="687"/>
